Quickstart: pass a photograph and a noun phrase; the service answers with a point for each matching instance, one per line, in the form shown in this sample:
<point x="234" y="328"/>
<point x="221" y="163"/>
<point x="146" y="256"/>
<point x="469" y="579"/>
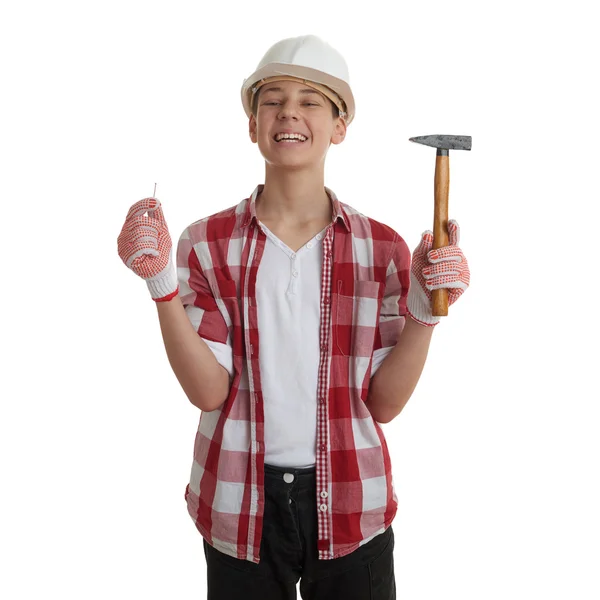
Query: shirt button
<point x="324" y="494"/>
<point x="295" y="273"/>
<point x="322" y="401"/>
<point x="319" y="236"/>
<point x="288" y="477"/>
<point x="324" y="347"/>
<point x="323" y="447"/>
<point x="326" y="300"/>
<point x="309" y="245"/>
<point x="323" y="507"/>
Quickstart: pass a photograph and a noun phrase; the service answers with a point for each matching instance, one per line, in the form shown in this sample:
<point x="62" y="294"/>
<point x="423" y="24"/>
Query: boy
<point x="291" y="326"/>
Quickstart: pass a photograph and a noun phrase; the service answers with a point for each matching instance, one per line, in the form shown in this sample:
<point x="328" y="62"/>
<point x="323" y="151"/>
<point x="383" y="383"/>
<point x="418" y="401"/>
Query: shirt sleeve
<point x="200" y="305"/>
<point x="223" y="353"/>
<point x="392" y="315"/>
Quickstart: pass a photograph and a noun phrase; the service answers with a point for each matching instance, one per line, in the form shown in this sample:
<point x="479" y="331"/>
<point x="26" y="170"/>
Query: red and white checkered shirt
<point x="365" y="281"/>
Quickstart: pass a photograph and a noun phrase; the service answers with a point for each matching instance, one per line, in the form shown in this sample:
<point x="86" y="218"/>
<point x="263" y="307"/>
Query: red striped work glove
<point x="445" y="267"/>
<point x="145" y="247"/>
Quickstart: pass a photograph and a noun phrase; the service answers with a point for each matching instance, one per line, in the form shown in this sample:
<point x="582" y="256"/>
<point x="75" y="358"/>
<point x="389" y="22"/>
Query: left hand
<point x="445" y="267"/>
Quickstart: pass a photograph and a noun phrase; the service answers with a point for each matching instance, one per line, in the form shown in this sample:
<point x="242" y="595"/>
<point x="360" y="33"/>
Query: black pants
<point x="288" y="553"/>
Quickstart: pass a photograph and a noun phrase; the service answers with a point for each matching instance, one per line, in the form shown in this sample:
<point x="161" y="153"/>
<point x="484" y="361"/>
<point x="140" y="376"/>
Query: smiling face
<point x="285" y="108"/>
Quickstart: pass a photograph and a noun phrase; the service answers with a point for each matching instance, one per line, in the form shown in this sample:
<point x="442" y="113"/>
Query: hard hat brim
<point x="341" y="88"/>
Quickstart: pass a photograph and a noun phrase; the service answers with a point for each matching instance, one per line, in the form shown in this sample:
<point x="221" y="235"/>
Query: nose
<point x="287" y="110"/>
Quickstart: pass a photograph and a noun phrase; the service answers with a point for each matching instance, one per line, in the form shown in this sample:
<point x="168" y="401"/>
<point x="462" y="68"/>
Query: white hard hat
<point x="309" y="59"/>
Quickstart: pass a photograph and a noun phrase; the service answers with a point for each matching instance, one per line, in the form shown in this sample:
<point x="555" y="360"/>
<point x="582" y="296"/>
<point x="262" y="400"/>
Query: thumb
<point x="453" y="232"/>
<point x="157" y="213"/>
<point x="141" y="207"/>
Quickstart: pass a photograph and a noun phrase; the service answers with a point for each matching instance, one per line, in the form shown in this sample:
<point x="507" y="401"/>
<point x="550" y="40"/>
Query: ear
<point x="252" y="129"/>
<point x="339" y="131"/>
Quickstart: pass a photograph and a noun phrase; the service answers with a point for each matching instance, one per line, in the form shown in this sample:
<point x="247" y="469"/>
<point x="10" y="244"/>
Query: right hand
<point x="145" y="247"/>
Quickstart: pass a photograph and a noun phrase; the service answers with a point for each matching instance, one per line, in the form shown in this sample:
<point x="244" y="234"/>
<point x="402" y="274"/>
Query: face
<point x="292" y="107"/>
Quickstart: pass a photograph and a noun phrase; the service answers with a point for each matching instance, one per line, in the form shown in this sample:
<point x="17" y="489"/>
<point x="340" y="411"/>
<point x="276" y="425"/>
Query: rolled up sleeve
<point x="392" y="316"/>
<point x="200" y="304"/>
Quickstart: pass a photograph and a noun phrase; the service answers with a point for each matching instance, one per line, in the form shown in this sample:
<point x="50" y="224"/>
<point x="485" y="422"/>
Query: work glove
<point x="145" y="247"/>
<point x="445" y="267"/>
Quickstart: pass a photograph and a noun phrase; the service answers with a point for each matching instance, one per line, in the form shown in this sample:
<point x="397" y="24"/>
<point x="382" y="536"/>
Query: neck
<point x="293" y="198"/>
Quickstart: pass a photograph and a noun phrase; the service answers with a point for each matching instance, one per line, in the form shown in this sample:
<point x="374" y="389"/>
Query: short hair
<point x="335" y="113"/>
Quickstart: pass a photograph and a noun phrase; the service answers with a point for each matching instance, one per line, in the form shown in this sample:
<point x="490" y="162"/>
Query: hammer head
<point x="444" y="142"/>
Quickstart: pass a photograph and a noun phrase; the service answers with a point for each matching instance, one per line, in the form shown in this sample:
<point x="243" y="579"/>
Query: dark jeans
<point x="288" y="553"/>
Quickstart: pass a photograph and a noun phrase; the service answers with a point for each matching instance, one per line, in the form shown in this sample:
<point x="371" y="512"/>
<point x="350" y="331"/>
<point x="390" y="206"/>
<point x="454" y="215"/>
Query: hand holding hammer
<point x="443" y="143"/>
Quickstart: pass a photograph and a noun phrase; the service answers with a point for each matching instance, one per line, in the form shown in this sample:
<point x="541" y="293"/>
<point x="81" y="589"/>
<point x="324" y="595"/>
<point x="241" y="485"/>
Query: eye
<point x="273" y="102"/>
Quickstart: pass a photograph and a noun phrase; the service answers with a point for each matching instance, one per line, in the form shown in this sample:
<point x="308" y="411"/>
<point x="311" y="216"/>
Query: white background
<point x="495" y="457"/>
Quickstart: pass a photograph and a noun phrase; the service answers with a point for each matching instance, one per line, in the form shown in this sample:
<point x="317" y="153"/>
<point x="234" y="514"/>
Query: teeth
<point x="290" y="136"/>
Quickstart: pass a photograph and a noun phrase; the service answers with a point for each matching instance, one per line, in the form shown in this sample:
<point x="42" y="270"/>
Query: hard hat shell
<point x="306" y="57"/>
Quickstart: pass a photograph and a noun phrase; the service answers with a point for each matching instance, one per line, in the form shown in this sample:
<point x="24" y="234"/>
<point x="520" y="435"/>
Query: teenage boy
<point x="290" y="324"/>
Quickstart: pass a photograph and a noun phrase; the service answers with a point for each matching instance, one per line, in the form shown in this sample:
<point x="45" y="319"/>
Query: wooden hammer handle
<point x="439" y="298"/>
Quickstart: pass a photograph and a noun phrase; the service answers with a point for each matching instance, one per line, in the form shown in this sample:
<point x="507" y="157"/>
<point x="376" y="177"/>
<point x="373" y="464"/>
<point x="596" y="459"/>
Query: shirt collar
<point x="250" y="210"/>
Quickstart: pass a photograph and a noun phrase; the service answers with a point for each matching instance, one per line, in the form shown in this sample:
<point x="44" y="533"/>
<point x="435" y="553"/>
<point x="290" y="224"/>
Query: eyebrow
<point x="303" y="91"/>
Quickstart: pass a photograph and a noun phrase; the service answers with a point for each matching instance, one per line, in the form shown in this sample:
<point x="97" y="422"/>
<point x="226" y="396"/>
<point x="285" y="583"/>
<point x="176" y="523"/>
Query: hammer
<point x="443" y="143"/>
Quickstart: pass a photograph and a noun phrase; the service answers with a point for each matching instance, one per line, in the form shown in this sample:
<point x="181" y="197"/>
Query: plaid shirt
<point x="365" y="281"/>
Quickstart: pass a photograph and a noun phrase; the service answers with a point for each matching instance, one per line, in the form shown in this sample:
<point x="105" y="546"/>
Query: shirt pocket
<point x="357" y="317"/>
